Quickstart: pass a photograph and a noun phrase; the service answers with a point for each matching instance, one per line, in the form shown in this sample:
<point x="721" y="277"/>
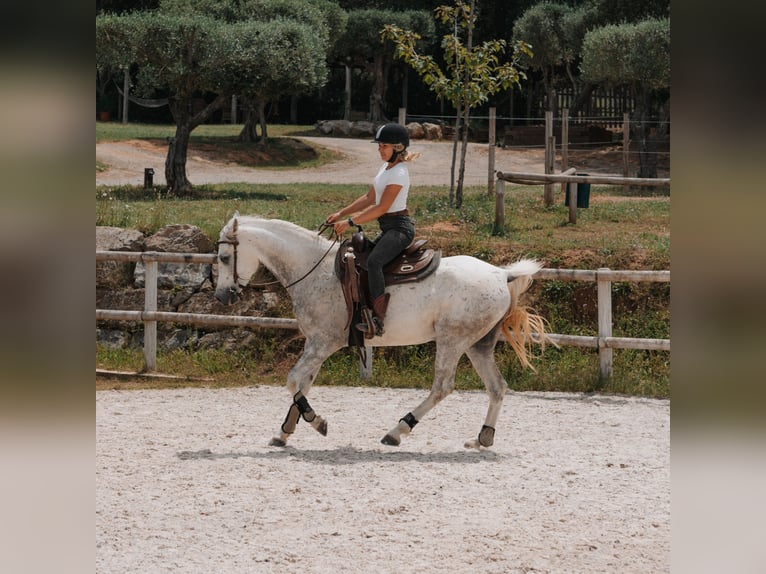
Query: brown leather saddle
<point x="413" y="264"/>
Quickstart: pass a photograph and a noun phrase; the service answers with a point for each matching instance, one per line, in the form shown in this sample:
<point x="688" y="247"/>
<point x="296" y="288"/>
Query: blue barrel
<point x="583" y="194"/>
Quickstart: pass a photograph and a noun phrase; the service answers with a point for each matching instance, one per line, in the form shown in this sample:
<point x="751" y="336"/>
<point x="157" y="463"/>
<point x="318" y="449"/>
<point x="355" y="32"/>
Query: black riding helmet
<point x="392" y="134"/>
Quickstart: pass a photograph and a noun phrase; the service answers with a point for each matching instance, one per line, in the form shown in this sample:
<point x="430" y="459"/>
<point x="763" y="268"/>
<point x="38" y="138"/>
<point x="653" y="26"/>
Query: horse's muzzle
<point x="228" y="296"/>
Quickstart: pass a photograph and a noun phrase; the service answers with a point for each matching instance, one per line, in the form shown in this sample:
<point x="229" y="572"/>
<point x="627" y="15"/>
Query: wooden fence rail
<point x="569" y="181"/>
<point x="603" y="277"/>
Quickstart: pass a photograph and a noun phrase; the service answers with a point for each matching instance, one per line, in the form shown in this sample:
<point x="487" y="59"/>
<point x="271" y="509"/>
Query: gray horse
<point x="466" y="306"/>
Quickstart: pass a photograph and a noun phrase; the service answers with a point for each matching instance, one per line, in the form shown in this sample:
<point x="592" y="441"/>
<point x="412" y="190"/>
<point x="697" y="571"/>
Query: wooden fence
<point x="569" y="180"/>
<point x="603" y="277"/>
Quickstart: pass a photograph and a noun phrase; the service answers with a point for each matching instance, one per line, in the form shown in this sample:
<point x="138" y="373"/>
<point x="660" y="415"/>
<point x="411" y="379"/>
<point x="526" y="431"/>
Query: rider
<point x="386" y="201"/>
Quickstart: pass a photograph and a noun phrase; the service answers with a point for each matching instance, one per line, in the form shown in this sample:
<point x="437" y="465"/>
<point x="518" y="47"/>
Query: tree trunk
<point x="647" y="138"/>
<point x="581" y="99"/>
<point x="178" y="146"/>
<point x="466" y="105"/>
<point x="456" y="135"/>
<point x="378" y="91"/>
<point x="262" y="119"/>
<point x="463" y="149"/>
<point x="255" y="119"/>
<point x="249" y="131"/>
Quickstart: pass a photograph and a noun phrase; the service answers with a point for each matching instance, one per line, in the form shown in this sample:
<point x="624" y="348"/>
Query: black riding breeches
<point x="397" y="232"/>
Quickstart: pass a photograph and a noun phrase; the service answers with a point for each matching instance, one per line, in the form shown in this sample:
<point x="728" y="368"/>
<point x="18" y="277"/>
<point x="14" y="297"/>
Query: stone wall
<point x="182" y="288"/>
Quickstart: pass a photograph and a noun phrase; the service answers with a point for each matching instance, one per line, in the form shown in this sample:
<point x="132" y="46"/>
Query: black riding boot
<point x="379" y="307"/>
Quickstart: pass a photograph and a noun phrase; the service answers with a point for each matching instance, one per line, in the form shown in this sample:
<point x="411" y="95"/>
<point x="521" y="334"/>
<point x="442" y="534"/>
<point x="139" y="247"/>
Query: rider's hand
<point x="341" y="227"/>
<point x="333" y="218"/>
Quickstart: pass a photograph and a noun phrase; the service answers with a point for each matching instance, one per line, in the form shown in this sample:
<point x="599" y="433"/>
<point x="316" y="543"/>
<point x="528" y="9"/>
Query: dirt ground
<point x="360" y="161"/>
<point x="185" y="482"/>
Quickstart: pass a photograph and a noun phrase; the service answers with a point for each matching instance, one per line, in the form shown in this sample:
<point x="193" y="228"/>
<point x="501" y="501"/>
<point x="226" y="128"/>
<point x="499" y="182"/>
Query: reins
<point x="235" y="243"/>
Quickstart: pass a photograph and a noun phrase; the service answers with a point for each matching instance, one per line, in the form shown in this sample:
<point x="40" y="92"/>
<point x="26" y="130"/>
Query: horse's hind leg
<point x="444" y="383"/>
<point x="482" y="356"/>
<point x="299" y="381"/>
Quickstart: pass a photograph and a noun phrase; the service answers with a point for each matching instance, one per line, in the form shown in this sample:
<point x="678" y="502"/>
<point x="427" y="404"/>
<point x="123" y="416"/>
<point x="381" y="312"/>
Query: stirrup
<point x="371" y="331"/>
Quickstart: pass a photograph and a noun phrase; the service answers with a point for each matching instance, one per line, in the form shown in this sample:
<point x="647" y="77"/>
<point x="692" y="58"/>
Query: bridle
<point x="236" y="288"/>
<point x="235" y="243"/>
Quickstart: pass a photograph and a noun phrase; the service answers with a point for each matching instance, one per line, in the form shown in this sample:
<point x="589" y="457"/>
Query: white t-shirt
<point x="397" y="175"/>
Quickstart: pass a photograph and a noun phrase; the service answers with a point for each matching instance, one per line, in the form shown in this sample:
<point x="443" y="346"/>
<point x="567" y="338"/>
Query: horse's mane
<point x="229" y="231"/>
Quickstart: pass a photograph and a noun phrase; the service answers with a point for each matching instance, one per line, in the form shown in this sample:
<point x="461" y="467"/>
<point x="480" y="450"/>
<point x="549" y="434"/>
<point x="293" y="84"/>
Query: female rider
<point x="385" y="201"/>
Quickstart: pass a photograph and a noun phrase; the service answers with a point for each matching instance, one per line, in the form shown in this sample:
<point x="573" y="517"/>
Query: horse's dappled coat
<point x="466" y="306"/>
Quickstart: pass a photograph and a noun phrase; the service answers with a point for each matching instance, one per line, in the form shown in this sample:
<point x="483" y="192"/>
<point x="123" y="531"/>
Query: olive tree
<point x="541" y="26"/>
<point x="361" y="46"/>
<point x="472" y="74"/>
<point x="282" y="48"/>
<point x="189" y="57"/>
<point x="183" y="57"/>
<point x="275" y="59"/>
<point x="637" y="55"/>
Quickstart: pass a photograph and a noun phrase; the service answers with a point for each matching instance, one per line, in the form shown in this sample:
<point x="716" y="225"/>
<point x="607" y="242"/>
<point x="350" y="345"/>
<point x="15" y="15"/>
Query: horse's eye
<point x="224" y="259"/>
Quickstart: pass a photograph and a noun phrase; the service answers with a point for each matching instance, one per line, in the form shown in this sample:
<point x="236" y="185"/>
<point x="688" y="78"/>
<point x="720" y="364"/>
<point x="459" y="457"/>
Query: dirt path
<point x="185" y="483"/>
<point x="361" y="162"/>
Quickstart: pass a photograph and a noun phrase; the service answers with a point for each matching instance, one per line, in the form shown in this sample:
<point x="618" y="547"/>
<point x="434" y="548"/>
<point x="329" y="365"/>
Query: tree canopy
<point x="199" y="50"/>
<point x="473" y="73"/>
<point x="637" y="55"/>
<point x="361" y="46"/>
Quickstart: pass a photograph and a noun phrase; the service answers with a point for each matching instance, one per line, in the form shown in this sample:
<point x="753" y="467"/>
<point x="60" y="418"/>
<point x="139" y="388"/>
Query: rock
<point x="362" y="129"/>
<point x="116" y="274"/>
<point x="337" y="128"/>
<point x="179" y="238"/>
<point x="432" y="131"/>
<point x="415" y="130"/>
<point x="112" y="338"/>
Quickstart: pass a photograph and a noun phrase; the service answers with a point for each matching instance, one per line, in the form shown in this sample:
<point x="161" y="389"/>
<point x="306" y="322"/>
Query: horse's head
<point x="235" y="265"/>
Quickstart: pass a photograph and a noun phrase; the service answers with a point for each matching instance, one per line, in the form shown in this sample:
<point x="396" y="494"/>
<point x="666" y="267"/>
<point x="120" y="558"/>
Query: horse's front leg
<point x="299" y="382"/>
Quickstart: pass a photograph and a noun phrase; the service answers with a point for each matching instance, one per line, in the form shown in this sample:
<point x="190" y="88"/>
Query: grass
<point x="617" y="231"/>
<point x="115" y="131"/>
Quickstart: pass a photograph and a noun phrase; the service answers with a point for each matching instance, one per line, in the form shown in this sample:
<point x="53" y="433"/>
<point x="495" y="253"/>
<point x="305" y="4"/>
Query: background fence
<point x="149" y="316"/>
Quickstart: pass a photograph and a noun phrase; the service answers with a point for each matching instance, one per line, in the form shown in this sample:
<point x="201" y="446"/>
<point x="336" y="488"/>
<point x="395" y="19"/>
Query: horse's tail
<point x="521" y="326"/>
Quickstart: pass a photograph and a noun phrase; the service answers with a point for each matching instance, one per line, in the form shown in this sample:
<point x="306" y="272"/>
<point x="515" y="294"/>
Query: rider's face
<point x="385" y="151"/>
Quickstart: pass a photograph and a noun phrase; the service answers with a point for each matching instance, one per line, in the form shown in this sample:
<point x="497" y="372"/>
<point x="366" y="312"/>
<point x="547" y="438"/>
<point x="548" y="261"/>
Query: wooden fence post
<point x="125" y="91"/>
<point x="402" y="116"/>
<point x="564" y="139"/>
<point x="347" y="96"/>
<point x="150" y="305"/>
<point x="572" y="196"/>
<point x="604" y="324"/>
<point x="499" y="206"/>
<point x="491" y="152"/>
<point x="233" y="118"/>
<point x="365" y="367"/>
<point x="548" y="188"/>
<point x="625" y="148"/>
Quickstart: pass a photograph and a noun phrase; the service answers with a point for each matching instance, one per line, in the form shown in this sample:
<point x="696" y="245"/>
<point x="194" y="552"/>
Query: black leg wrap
<point x="303" y="406"/>
<point x="486" y="436"/>
<point x="409" y="419"/>
<point x="291" y="420"/>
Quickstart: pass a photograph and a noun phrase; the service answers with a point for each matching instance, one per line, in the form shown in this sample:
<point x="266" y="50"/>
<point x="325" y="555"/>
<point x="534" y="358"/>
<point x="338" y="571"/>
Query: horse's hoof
<point x="277" y="442"/>
<point x="322" y="427"/>
<point x="390" y="441"/>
